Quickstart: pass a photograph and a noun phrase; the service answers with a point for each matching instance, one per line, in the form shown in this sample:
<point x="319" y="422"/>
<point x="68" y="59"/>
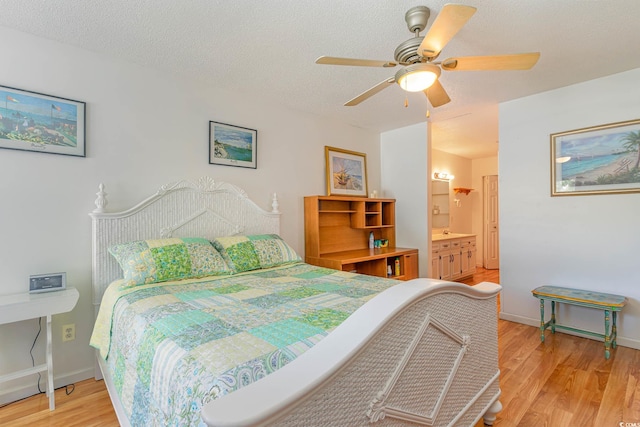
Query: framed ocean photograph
<point x="597" y="160"/>
<point x="33" y="121"/>
<point x="346" y="172"/>
<point x="231" y="145"/>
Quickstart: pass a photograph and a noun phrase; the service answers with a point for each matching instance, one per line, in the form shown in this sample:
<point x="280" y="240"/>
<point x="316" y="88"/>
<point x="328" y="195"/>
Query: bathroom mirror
<point x="440" y="204"/>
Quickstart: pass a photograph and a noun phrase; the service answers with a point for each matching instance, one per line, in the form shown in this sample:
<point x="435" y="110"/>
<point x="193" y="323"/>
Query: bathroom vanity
<point x="453" y="256"/>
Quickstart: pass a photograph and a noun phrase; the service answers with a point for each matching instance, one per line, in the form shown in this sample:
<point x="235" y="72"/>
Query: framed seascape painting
<point x="231" y="145"/>
<point x="346" y="172"/>
<point x="597" y="160"/>
<point x="33" y="121"/>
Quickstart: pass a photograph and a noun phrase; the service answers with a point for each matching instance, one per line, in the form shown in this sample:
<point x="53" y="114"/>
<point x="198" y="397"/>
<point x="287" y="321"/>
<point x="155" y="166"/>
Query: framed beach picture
<point x="33" y="121"/>
<point x="346" y="172"/>
<point x="231" y="145"/>
<point x="596" y="160"/>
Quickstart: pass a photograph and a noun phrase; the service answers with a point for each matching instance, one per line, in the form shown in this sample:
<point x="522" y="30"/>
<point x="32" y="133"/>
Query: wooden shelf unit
<point x="337" y="236"/>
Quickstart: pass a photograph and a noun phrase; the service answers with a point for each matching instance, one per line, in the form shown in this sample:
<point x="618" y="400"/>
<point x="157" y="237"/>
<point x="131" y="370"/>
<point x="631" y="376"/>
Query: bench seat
<point x="609" y="303"/>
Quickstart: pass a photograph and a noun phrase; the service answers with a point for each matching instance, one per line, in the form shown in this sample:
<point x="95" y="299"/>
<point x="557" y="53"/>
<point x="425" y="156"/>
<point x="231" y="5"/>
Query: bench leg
<point x="542" y="326"/>
<point x="614" y="330"/>
<point x="553" y="317"/>
<point x="607" y="342"/>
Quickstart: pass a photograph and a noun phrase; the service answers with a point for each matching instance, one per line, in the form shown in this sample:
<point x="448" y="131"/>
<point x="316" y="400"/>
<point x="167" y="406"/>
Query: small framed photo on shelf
<point x="346" y="172"/>
<point x="597" y="160"/>
<point x="231" y="145"/>
<point x="31" y="121"/>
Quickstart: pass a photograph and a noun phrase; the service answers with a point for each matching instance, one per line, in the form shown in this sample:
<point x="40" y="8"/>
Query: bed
<point x="261" y="338"/>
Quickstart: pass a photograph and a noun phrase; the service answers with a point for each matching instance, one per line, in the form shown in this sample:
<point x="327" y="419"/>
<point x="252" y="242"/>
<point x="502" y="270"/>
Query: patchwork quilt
<point x="171" y="347"/>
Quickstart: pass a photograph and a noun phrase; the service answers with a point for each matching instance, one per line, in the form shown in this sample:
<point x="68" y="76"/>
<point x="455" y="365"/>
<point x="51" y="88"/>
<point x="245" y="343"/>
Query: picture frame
<point x="602" y="159"/>
<point x="346" y="172"/>
<point x="32" y="121"/>
<point x="231" y="145"/>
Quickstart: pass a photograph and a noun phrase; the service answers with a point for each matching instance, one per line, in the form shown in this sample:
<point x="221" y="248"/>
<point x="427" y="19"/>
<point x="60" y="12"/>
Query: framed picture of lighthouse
<point x="231" y="145"/>
<point x="33" y="121"/>
<point x="346" y="172"/>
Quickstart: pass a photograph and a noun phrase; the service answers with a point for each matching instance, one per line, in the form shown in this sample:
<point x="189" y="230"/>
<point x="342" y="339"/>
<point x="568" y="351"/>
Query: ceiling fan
<point x="421" y="72"/>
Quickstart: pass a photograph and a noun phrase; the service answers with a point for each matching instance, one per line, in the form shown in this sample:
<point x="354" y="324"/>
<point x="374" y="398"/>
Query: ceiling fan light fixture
<point x="417" y="77"/>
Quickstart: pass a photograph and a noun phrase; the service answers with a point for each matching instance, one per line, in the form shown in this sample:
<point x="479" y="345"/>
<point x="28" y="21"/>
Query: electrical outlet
<point x="68" y="332"/>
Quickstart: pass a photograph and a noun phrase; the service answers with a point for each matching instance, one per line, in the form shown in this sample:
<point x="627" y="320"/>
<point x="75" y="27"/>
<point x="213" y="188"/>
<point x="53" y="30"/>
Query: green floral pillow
<point x="244" y="253"/>
<point x="272" y="250"/>
<point x="238" y="252"/>
<point x="151" y="261"/>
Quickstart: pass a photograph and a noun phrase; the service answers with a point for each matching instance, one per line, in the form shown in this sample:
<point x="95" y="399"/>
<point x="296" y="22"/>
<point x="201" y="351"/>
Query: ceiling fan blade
<point x="519" y="61"/>
<point x="436" y="94"/>
<point x="450" y="20"/>
<point x="369" y="93"/>
<point x="330" y="60"/>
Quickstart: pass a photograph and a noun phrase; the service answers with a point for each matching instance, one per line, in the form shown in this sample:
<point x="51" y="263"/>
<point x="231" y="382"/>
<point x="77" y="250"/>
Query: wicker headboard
<point x="205" y="208"/>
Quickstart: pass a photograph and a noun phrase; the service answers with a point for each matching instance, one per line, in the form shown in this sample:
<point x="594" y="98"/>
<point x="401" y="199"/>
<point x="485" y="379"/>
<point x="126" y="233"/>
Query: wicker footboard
<point x="422" y="353"/>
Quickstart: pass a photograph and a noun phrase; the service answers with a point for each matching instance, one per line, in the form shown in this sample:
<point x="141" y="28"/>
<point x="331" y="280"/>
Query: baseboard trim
<point x="21" y="392"/>
<point x="625" y="342"/>
<point x="519" y="319"/>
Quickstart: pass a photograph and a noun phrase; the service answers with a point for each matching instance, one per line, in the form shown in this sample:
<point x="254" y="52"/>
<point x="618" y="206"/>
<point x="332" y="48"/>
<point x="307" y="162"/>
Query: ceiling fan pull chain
<point x="406" y="102"/>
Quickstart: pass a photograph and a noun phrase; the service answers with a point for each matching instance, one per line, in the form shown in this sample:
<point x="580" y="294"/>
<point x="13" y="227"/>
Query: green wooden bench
<point x="610" y="303"/>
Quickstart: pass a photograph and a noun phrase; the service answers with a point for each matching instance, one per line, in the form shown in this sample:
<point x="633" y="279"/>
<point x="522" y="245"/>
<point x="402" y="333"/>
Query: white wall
<point x="587" y="242"/>
<point x="144" y="129"/>
<point x="405" y="173"/>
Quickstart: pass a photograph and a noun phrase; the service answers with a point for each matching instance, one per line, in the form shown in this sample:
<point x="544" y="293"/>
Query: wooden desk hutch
<point x="337" y="236"/>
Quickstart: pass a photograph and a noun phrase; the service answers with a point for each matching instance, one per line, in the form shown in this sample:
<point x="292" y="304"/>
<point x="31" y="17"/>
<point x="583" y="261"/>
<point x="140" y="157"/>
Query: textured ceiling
<point x="268" y="49"/>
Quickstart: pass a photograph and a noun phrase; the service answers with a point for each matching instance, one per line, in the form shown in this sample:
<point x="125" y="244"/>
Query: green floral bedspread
<point x="172" y="347"/>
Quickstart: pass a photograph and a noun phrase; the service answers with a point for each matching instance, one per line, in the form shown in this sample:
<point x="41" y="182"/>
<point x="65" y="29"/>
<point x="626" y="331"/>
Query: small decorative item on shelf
<point x="380" y="243"/>
<point x="372" y="242"/>
<point x="389" y="271"/>
<point x="466" y="191"/>
<point x="397" y="266"/>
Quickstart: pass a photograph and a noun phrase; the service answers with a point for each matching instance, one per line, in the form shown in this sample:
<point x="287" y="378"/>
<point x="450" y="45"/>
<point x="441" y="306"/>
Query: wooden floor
<point x="564" y="382"/>
<point x="87" y="406"/>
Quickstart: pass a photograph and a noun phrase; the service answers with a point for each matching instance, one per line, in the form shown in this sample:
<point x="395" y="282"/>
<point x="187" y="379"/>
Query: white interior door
<point x="491" y="228"/>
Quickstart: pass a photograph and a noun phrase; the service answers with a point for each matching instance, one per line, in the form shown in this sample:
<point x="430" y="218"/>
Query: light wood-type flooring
<point x="564" y="382"/>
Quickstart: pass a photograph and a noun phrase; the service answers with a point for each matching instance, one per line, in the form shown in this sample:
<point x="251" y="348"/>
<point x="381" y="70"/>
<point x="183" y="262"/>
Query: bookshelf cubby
<point x="337" y="236"/>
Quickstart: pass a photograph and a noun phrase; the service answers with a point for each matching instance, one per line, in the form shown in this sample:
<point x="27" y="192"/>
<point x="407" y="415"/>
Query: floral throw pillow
<point x="238" y="252"/>
<point x="245" y="253"/>
<point x="161" y="260"/>
<point x="272" y="250"/>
